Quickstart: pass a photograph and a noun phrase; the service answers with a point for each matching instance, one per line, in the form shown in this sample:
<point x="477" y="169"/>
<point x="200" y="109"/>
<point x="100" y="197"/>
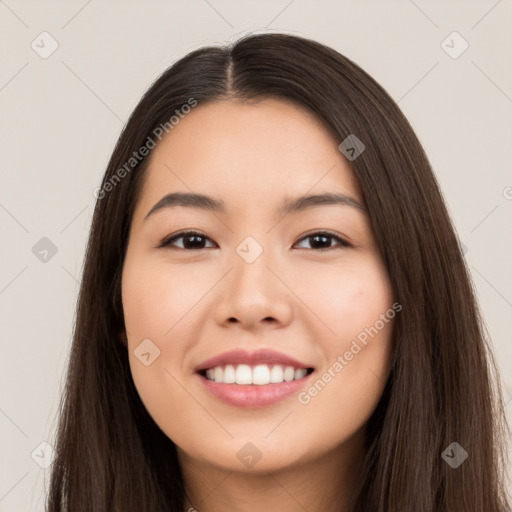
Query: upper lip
<point x="240" y="356"/>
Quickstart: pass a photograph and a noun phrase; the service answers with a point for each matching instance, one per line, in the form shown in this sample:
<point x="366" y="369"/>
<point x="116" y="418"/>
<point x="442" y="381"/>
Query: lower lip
<point x="252" y="395"/>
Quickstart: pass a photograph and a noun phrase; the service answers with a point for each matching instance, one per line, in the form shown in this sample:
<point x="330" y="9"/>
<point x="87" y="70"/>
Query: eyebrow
<point x="289" y="205"/>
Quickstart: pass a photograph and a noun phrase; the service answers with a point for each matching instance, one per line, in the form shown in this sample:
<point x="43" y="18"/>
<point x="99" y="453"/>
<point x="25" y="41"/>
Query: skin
<point x="293" y="298"/>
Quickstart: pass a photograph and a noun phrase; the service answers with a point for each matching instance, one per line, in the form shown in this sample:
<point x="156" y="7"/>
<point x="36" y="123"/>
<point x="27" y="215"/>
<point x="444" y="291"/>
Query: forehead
<point x="250" y="154"/>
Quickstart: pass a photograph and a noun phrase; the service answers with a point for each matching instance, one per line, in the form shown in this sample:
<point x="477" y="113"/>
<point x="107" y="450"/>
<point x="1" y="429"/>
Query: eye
<point x="194" y="240"/>
<point x="321" y="240"/>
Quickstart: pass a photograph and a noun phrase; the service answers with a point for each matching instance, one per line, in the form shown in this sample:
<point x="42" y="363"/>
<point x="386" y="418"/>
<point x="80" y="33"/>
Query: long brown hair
<point x="443" y="385"/>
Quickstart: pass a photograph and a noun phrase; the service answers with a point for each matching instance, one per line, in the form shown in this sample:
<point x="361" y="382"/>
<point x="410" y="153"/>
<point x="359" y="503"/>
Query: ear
<point x="123" y="339"/>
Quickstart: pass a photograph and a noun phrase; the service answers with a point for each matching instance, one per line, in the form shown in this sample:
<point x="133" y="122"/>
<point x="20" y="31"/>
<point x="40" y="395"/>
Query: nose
<point x="254" y="295"/>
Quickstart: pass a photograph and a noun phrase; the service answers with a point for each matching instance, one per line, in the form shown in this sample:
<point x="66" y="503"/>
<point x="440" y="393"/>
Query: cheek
<point x="355" y="302"/>
<point x="157" y="300"/>
<point x="360" y="308"/>
<point x="155" y="305"/>
<point x="347" y="298"/>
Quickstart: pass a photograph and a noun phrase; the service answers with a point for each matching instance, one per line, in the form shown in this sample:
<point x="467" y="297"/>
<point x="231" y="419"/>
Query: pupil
<point x="196" y="238"/>
<point x="323" y="237"/>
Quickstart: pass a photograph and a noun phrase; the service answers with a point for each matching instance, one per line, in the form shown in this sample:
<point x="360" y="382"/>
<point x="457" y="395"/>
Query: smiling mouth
<point x="259" y="375"/>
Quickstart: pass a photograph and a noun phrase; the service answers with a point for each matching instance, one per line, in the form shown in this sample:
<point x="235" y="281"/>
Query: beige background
<point x="61" y="116"/>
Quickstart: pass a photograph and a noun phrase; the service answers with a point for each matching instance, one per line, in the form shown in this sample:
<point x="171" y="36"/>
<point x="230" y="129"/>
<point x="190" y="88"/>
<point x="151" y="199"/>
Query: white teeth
<point x="289" y="373"/>
<point x="260" y="375"/>
<point x="243" y="374"/>
<point x="300" y="372"/>
<point x="276" y="374"/>
<point x="229" y="374"/>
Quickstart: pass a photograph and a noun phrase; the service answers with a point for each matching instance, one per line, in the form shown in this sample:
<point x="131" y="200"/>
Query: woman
<point x="274" y="312"/>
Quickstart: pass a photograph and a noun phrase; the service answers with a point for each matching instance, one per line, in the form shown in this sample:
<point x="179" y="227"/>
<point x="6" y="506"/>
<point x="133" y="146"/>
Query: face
<point x="289" y="311"/>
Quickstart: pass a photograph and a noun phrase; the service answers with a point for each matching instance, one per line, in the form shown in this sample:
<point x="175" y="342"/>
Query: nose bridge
<point x="251" y="292"/>
<point x="250" y="273"/>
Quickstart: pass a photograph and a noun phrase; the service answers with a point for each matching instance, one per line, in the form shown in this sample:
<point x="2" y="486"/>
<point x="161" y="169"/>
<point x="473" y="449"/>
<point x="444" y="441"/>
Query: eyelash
<point x="166" y="243"/>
